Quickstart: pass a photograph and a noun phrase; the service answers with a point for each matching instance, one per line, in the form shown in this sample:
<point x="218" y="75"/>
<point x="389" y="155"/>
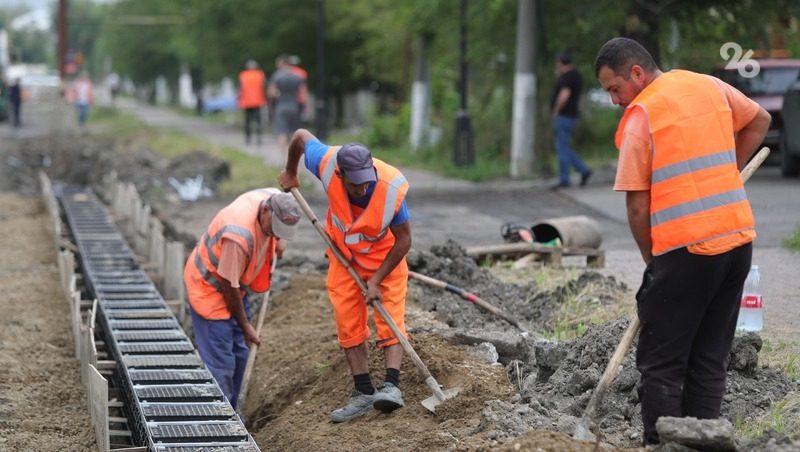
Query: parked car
<point x="790" y="138"/>
<point x="768" y="87"/>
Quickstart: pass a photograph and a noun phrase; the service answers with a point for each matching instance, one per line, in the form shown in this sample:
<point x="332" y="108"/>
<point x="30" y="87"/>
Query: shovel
<point x="582" y="429"/>
<point x="467" y="296"/>
<point x="439" y="395"/>
<point x="251" y="357"/>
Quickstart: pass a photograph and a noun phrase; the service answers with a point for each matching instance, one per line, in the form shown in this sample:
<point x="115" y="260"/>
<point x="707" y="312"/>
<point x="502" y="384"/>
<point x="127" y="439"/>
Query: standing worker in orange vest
<point x="682" y="140"/>
<point x="368" y="221"/>
<point x="252" y="97"/>
<point x="233" y="257"/>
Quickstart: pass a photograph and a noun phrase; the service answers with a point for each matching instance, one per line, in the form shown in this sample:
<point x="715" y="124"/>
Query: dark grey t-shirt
<point x="288" y="84"/>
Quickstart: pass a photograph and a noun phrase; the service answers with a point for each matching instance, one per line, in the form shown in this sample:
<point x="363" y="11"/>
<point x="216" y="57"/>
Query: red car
<point x="774" y="79"/>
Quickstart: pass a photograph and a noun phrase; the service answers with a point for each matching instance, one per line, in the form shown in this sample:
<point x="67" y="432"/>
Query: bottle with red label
<point x="751" y="311"/>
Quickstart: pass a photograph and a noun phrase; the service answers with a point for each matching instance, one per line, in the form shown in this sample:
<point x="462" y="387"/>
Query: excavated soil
<point x="43" y="406"/>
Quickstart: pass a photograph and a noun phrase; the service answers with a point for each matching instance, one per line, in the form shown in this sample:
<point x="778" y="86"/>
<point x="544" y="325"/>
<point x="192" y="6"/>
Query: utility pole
<point x="523" y="131"/>
<point x="320" y="99"/>
<point x="62" y="38"/>
<point x="419" y="96"/>
<point x="464" y="153"/>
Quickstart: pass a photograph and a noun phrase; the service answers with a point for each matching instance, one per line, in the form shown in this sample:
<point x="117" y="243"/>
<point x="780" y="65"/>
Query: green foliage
<point x="793" y="241"/>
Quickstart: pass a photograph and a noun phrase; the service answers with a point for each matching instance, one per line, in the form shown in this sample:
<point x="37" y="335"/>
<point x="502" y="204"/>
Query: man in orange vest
<point x="232" y="258"/>
<point x="368" y="221"/>
<point x="252" y="96"/>
<point x="682" y="140"/>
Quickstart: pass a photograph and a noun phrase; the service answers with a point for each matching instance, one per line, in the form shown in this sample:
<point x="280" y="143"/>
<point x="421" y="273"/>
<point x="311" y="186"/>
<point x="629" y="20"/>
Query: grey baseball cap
<point x="355" y="161"/>
<point x="285" y="215"/>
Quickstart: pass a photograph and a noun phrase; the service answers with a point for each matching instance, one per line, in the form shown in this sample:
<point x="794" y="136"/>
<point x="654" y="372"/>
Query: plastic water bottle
<point x="751" y="311"/>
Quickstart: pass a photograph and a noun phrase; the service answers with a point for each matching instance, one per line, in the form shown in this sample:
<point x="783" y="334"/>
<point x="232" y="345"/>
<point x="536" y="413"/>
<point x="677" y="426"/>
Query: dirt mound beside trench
<point x="540" y="388"/>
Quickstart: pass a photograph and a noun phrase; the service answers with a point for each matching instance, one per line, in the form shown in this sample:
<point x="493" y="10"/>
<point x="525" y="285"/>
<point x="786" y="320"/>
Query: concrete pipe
<point x="575" y="232"/>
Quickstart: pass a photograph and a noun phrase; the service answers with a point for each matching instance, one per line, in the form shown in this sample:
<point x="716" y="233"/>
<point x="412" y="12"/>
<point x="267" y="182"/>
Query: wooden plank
<point x="75" y="312"/>
<point x="98" y="406"/>
<point x="155" y="246"/>
<point x="173" y="271"/>
<point x="123" y="433"/>
<point x="132" y="449"/>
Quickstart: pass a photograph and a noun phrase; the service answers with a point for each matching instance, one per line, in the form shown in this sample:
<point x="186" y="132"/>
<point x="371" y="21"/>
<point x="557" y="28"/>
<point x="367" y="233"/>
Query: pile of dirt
<point x="535" y="309"/>
<point x="545" y="386"/>
<point x="85" y="160"/>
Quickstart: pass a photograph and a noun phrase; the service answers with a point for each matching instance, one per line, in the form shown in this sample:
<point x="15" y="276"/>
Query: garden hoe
<point x="439" y="395"/>
<point x="251" y="357"/>
<point x="582" y="429"/>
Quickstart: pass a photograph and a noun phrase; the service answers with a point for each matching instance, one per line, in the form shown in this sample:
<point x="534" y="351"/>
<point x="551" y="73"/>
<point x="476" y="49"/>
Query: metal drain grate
<point x="156" y="361"/>
<point x="150" y="335"/>
<point x="191" y="432"/>
<point x="208" y="448"/>
<point x="144" y="324"/>
<point x="139" y="314"/>
<point x="179" y="393"/>
<point x="155" y="347"/>
<point x="213" y="411"/>
<point x="171" y="376"/>
<point x="143" y="304"/>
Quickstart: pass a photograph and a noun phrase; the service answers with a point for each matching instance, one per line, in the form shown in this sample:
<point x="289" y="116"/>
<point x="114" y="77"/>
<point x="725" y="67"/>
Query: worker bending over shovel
<point x="233" y="257"/>
<point x="368" y="221"/>
<point x="682" y="140"/>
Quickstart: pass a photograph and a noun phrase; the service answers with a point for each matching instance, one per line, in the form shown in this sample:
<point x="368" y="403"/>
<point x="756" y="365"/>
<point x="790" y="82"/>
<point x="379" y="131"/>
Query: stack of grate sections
<point x="175" y="404"/>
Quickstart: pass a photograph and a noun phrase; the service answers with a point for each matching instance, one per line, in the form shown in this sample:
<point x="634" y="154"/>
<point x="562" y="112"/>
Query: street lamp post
<point x="463" y="153"/>
<point x="320" y="100"/>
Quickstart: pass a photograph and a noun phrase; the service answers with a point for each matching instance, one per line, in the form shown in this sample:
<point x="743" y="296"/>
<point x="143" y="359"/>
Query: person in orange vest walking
<point x="368" y="221"/>
<point x="302" y="95"/>
<point x="682" y="140"/>
<point x="252" y="97"/>
<point x="232" y="258"/>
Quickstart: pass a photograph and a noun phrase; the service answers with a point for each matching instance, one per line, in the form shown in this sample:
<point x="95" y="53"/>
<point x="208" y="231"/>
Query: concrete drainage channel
<point x="171" y="402"/>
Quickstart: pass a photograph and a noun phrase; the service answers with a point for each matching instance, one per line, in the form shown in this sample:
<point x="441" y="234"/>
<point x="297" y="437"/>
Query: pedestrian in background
<point x="286" y="88"/>
<point x="564" y="109"/>
<point x="682" y="141"/>
<point x="80" y="94"/>
<point x="252" y="98"/>
<point x="368" y="221"/>
<point x="294" y="62"/>
<point x="233" y="256"/>
<point x="15" y="96"/>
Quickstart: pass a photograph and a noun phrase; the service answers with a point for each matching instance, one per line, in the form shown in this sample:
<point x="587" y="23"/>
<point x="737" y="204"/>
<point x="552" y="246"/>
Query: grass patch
<point x="793" y="241"/>
<point x="781" y="355"/>
<point x="247" y="171"/>
<point x="775" y="420"/>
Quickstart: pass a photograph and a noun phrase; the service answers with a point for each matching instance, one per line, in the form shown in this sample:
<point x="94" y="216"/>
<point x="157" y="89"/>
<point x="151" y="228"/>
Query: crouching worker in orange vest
<point x="682" y="141"/>
<point x="233" y="257"/>
<point x="368" y="221"/>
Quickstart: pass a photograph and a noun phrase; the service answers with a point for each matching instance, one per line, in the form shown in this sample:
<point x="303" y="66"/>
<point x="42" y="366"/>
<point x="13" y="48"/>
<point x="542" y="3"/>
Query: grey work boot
<point x="388" y="398"/>
<point x="359" y="404"/>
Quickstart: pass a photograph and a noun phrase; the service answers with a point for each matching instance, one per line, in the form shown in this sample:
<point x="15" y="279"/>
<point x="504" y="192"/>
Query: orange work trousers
<point x="350" y="309"/>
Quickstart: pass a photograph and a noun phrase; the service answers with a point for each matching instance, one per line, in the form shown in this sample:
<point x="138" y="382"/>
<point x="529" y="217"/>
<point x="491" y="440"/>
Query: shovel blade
<point x="432" y="402"/>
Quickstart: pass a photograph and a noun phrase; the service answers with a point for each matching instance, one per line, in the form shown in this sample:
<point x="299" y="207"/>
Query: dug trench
<point x="519" y="389"/>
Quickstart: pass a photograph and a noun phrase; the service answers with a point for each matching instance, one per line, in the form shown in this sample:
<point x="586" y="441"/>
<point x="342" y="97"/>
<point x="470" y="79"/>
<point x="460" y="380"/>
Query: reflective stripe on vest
<point x="696" y="192"/>
<point x="369" y="235"/>
<point x="237" y="222"/>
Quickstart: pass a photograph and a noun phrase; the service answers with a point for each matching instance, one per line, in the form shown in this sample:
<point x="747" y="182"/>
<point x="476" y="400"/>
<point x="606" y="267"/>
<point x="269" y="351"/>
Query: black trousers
<point x="252" y="115"/>
<point x="688" y="305"/>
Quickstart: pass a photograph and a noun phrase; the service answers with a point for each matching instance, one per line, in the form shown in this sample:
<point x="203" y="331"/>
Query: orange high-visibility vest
<point x="251" y="88"/>
<point x="238" y="222"/>
<point x="365" y="240"/>
<point x="696" y="192"/>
